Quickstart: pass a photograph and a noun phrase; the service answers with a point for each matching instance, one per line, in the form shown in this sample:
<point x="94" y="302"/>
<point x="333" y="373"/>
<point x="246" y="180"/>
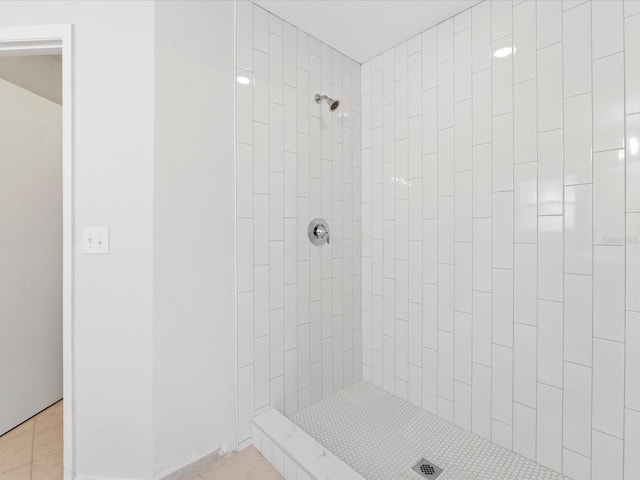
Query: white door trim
<point x="52" y="39"/>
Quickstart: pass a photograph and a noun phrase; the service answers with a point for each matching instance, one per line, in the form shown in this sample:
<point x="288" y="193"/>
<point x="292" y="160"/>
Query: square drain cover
<point x="427" y="469"/>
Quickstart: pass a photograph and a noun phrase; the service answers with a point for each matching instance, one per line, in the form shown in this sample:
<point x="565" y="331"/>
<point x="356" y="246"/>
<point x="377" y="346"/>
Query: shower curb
<point x="294" y="453"/>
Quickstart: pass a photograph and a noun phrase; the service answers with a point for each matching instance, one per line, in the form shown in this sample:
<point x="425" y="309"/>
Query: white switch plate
<point x="96" y="240"/>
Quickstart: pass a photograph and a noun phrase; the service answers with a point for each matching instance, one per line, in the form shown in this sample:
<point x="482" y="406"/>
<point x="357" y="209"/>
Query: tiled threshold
<point x="365" y="432"/>
<point x="294" y="453"/>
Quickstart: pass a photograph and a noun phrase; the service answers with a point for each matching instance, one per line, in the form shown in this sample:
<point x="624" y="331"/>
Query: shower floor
<point x="382" y="437"/>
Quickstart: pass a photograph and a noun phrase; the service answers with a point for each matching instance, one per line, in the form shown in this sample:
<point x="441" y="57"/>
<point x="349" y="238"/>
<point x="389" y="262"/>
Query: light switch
<point x="96" y="240"/>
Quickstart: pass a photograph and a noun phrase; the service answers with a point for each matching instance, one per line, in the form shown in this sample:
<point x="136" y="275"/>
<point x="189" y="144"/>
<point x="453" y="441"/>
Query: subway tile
<point x="445" y="162"/>
<point x="389" y="306"/>
<point x="609" y="198"/>
<point x="632" y="63"/>
<point x="575" y="465"/>
<point x="462" y="405"/>
<point x="481" y="100"/>
<point x="401" y="349"/>
<point x="482" y="328"/>
<point x="401" y="61"/>
<point x="276" y="132"/>
<point x="276" y="206"/>
<point x="430" y="380"/>
<point x="261" y="372"/>
<point x="524" y="41"/>
<point x="414" y="85"/>
<point x="260" y="29"/>
<point x="525" y="133"/>
<point x="430" y="251"/>
<point x="608" y="387"/>
<point x="550" y="334"/>
<point x="608" y="103"/>
<point x="290" y="55"/>
<point x="446" y="230"/>
<point x="430" y="121"/>
<point x="400" y="104"/>
<point x="429" y="317"/>
<point x="244" y="108"/>
<point x="549" y="22"/>
<point x="632" y="444"/>
<point x="445" y="365"/>
<point x="502" y="307"/>
<point x="415" y="271"/>
<point x="260" y="158"/>
<point x="578" y="221"/>
<point x="549" y="427"/>
<point x="415" y="334"/>
<point x="503" y="230"/>
<point x="607" y="456"/>
<point x="445" y="94"/>
<point x="462" y="347"/>
<point x="577" y="51"/>
<point x="388" y="76"/>
<point x="462" y="65"/>
<point x="445" y="297"/>
<point x="550" y="258"/>
<point x="402" y="290"/>
<point x="302" y="52"/>
<point x="607" y="27"/>
<point x="578" y="318"/>
<point x="445" y="40"/>
<point x="415" y="209"/>
<point x="261" y="224"/>
<point x="482" y="249"/>
<point x="244" y="253"/>
<point x="414" y="385"/>
<point x="261" y="301"/>
<point x="631" y="7"/>
<point x="503" y="153"/>
<point x="502" y="384"/>
<point x="502" y="75"/>
<point x="463" y="206"/>
<point x="481" y="36"/>
<point x="445" y="409"/>
<point x="482" y="186"/>
<point x="290" y="316"/>
<point x="429" y="58"/>
<point x="524" y="364"/>
<point x="549" y="84"/>
<point x="244" y="35"/>
<point x="290" y="253"/>
<point x="463" y="276"/>
<point x="414" y="44"/>
<point x="576" y="408"/>
<point x="577" y="139"/>
<point x="525" y="203"/>
<point x="463" y="136"/>
<point x="608" y="292"/>
<point x="276" y="274"/>
<point x="525" y="284"/>
<point x="632" y="365"/>
<point x="245" y="328"/>
<point x="550" y="173"/>
<point x="275" y="68"/>
<point x="415" y="146"/>
<point x="524" y="430"/>
<point x="502" y="434"/>
<point x="245" y="400"/>
<point x="462" y="21"/>
<point x="501" y="19"/>
<point x="633" y="163"/>
<point x="290" y="381"/>
<point x="481" y="401"/>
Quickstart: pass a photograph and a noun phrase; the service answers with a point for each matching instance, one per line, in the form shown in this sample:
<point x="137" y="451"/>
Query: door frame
<point x="47" y="40"/>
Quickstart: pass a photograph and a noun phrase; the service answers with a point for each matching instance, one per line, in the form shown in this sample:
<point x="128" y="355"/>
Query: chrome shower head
<point x="332" y="102"/>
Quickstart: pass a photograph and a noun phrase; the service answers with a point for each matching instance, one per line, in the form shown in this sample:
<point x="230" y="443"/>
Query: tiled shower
<point x="482" y="184"/>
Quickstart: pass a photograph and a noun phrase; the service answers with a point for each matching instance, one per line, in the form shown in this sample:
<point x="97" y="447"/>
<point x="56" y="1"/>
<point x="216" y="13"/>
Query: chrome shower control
<point x="318" y="231"/>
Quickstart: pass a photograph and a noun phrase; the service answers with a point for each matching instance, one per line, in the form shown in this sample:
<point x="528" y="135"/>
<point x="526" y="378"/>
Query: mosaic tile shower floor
<point x="382" y="436"/>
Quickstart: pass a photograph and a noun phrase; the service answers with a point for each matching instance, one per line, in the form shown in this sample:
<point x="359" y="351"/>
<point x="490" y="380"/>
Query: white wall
<point x="113" y="155"/>
<point x="30" y="254"/>
<point x="299" y="330"/>
<point x="500" y="244"/>
<point x="194" y="233"/>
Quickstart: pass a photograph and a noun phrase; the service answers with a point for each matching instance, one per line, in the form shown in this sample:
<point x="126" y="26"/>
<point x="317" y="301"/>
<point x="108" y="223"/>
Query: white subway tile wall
<point x="501" y="274"/>
<point x="299" y="306"/>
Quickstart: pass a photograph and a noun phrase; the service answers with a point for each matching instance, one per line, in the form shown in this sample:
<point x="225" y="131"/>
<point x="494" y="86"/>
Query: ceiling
<point x="362" y="29"/>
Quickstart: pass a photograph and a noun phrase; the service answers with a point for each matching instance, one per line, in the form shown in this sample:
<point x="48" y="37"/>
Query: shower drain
<point x="427" y="469"/>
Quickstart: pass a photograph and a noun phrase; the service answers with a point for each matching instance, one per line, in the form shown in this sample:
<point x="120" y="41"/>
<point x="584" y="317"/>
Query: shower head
<point x="333" y="103"/>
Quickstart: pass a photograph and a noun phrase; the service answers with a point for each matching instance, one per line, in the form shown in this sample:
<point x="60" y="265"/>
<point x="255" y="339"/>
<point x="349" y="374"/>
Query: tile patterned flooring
<point x="33" y="450"/>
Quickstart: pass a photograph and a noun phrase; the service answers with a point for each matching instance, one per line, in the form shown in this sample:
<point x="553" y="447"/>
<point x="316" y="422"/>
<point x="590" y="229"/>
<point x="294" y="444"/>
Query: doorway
<point x="36" y="244"/>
